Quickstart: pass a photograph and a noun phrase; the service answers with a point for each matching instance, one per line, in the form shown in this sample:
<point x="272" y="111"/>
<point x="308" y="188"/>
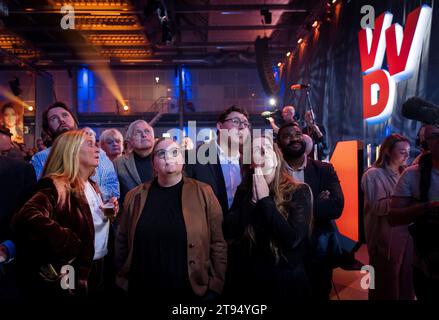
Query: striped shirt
<point x="105" y="175"/>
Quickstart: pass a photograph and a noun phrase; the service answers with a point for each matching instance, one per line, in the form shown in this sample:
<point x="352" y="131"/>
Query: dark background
<point x="330" y="62"/>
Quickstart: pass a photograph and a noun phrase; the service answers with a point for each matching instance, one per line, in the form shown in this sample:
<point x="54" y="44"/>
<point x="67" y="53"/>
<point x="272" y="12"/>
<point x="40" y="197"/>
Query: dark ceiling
<point x="129" y="32"/>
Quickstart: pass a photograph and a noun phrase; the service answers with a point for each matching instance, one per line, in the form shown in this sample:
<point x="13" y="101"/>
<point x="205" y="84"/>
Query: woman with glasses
<point x="169" y="245"/>
<point x="390" y="248"/>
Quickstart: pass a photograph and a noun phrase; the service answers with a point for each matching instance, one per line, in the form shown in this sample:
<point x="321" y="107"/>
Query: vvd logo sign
<point x="402" y="48"/>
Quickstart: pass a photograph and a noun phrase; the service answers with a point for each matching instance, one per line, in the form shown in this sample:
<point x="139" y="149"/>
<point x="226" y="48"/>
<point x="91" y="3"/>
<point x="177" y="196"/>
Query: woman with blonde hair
<point x="390" y="248"/>
<point x="268" y="230"/>
<point x="62" y="229"/>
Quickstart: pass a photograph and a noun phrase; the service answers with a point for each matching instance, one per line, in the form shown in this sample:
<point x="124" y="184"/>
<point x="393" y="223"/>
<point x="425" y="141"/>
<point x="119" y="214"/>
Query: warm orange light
<point x="299" y="41"/>
<point x="8" y="95"/>
<point x="315" y="24"/>
<point x="334" y="1"/>
<point x="345" y="162"/>
<point x="30" y="108"/>
<point x="288" y="53"/>
<point x="125" y="107"/>
<point x="279" y="64"/>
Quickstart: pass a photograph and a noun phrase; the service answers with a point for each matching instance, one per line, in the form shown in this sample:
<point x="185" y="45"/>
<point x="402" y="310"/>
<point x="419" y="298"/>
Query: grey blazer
<point x="127" y="174"/>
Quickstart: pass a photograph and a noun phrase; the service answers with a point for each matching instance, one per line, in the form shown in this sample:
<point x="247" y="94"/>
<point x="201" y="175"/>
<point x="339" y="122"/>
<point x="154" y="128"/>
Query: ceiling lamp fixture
<point x="265" y="12"/>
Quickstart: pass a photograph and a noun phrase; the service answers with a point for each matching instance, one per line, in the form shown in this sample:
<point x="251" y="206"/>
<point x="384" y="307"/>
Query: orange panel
<point x="345" y="162"/>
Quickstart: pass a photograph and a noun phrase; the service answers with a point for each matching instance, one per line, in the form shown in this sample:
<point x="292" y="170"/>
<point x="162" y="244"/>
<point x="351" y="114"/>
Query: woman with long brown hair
<point x="12" y="119"/>
<point x="390" y="248"/>
<point x="268" y="229"/>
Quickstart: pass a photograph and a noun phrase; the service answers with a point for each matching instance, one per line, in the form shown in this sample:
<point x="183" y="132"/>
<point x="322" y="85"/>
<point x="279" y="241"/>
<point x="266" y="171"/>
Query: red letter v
<point x="372" y="44"/>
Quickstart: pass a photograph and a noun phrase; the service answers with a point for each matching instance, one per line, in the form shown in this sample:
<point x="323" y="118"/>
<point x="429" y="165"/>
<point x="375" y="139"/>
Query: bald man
<point x="288" y="113"/>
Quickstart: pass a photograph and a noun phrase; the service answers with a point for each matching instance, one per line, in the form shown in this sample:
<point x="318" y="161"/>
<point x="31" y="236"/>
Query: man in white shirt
<point x="220" y="166"/>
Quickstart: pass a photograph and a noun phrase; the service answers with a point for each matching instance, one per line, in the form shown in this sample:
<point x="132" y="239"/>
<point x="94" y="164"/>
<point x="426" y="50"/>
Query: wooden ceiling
<point x="145" y="32"/>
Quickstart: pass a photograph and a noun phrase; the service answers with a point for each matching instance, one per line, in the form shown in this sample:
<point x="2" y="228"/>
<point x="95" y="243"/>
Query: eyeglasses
<point x="237" y="123"/>
<point x="162" y="153"/>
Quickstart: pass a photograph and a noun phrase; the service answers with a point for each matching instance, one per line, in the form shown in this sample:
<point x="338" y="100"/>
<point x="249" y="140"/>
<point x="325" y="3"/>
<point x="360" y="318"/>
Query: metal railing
<point x="160" y="106"/>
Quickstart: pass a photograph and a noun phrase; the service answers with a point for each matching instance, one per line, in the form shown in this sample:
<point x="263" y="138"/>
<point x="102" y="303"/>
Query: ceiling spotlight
<point x="272" y="101"/>
<point x="265" y="12"/>
<point x="315" y="24"/>
<point x="157" y="79"/>
<point x="279" y="64"/>
<point x="288" y="53"/>
<point x="126" y="108"/>
<point x="299" y="41"/>
<point x="30" y="108"/>
<point x="334" y="1"/>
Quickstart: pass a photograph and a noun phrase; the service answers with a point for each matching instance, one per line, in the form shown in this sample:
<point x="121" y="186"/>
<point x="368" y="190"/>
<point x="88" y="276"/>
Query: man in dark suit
<point x="16" y="181"/>
<point x="135" y="167"/>
<point x="218" y="163"/>
<point x="328" y="206"/>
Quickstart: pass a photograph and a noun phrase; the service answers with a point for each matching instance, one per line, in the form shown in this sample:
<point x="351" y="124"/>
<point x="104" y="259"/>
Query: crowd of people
<point x="133" y="217"/>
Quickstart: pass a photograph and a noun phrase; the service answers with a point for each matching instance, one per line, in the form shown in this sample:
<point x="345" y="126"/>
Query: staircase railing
<point x="159" y="107"/>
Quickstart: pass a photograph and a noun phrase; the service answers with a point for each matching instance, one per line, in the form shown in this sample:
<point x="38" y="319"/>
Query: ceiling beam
<point x="239" y="7"/>
<point x="194" y="44"/>
<point x="121" y="30"/>
<point x="178" y="9"/>
<point x="226" y="44"/>
<point x="244" y="27"/>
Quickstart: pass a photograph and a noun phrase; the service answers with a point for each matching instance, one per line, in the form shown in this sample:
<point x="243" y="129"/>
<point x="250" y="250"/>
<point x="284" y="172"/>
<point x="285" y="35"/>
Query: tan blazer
<point x="206" y="247"/>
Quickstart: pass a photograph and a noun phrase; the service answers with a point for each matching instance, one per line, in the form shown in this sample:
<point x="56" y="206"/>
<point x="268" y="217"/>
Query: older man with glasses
<point x="135" y="168"/>
<point x="221" y="166"/>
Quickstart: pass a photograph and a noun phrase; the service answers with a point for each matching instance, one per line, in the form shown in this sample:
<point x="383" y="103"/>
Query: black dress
<point x="255" y="273"/>
<point x="159" y="261"/>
